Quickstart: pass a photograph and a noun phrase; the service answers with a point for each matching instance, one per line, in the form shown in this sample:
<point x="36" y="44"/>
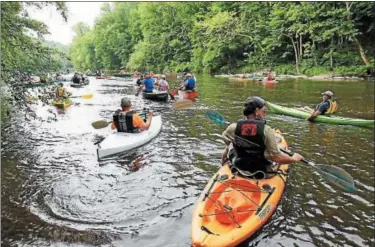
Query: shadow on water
<point x="55" y="192"/>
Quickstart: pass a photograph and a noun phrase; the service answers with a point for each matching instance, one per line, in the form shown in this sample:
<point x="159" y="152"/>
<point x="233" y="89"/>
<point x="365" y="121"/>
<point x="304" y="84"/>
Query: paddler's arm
<point x="146" y="125"/>
<point x="313" y="116"/>
<point x="228" y="136"/>
<point x="273" y="152"/>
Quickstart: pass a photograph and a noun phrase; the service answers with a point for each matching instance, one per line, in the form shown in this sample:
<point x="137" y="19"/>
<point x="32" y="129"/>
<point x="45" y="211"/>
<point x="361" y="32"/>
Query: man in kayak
<point x="126" y="120"/>
<point x="61" y="93"/>
<point x="251" y="144"/>
<point x="148" y="83"/>
<point x="328" y="106"/>
<point x="189" y="83"/>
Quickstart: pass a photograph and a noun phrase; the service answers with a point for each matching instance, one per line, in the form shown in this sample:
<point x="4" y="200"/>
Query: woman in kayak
<point x="126" y="120"/>
<point x="326" y="107"/>
<point x="251" y="144"/>
<point x="162" y="84"/>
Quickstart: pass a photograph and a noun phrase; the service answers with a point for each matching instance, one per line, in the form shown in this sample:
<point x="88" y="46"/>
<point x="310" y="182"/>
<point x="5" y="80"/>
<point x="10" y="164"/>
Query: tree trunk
<point x="362" y="52"/>
<point x="295" y="55"/>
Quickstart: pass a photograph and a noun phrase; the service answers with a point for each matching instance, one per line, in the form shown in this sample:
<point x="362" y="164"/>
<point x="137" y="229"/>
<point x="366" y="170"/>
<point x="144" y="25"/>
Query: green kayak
<point x="299" y="113"/>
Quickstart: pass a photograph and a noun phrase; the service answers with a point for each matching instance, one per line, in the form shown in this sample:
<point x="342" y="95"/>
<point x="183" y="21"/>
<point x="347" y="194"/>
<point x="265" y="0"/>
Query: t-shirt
<point x="323" y="107"/>
<point x="137" y="122"/>
<point x="269" y="139"/>
<point x="149" y="84"/>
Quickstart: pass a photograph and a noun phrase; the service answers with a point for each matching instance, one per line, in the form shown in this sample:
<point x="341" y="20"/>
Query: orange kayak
<point x="187" y="94"/>
<point x="232" y="208"/>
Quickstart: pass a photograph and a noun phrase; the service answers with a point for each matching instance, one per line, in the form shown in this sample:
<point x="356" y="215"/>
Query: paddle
<point x="173" y="93"/>
<point x="139" y="90"/>
<point x="333" y="174"/>
<point x="100" y="124"/>
<point x="85" y="96"/>
<point x="182" y="104"/>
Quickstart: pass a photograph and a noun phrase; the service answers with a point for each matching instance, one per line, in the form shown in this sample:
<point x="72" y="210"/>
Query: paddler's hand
<point x="297" y="157"/>
<point x="150" y="114"/>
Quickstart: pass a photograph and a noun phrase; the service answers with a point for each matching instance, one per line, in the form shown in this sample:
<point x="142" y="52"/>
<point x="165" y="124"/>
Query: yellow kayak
<point x="62" y="103"/>
<point x="232" y="207"/>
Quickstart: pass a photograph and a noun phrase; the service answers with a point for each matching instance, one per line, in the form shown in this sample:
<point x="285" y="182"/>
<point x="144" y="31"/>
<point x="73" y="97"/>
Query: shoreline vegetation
<point x="317" y="39"/>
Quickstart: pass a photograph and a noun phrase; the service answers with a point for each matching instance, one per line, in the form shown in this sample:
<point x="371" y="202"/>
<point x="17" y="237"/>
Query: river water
<point x="54" y="192"/>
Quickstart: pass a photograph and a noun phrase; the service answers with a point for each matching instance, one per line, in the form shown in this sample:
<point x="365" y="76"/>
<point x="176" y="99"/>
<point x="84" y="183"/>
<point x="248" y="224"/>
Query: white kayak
<point x="118" y="142"/>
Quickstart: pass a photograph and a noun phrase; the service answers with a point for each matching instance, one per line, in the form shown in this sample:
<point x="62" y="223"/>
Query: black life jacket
<point x="248" y="146"/>
<point x="124" y="122"/>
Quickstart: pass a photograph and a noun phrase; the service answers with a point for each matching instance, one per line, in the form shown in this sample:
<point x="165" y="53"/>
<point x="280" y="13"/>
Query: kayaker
<point x="189" y="83"/>
<point x="61" y="92"/>
<point x="261" y="155"/>
<point x="126" y="120"/>
<point x="148" y="83"/>
<point x="139" y="80"/>
<point x="328" y="106"/>
<point x="163" y="84"/>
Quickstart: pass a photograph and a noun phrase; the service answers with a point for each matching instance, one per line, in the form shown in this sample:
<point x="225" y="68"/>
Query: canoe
<point x="76" y="85"/>
<point x="298" y="113"/>
<point x="62" y="103"/>
<point x="270" y="82"/>
<point x="118" y="142"/>
<point x="187" y="94"/>
<point x="158" y="96"/>
<point x="232" y="208"/>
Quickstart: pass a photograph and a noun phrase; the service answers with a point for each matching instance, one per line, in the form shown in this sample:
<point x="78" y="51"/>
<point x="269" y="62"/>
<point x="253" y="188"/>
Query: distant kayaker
<point x="253" y="129"/>
<point x="61" y="92"/>
<point x="162" y="84"/>
<point x="189" y="83"/>
<point x="126" y="120"/>
<point x="139" y="80"/>
<point x="328" y="106"/>
<point x="148" y="83"/>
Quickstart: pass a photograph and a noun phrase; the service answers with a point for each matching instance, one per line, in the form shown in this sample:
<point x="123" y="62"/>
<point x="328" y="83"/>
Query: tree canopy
<point x="222" y="36"/>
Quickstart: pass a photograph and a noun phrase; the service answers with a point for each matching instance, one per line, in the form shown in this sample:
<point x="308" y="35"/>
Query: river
<point x="55" y="192"/>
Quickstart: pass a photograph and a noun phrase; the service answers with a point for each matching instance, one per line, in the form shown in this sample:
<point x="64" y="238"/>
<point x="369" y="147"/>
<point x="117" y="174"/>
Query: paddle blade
<point x="216" y="117"/>
<point x="182" y="104"/>
<point x="100" y="124"/>
<point x="337" y="176"/>
<point x="174" y="92"/>
<point x="87" y="96"/>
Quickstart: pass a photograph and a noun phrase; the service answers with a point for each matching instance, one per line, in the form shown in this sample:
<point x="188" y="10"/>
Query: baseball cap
<point x="125" y="102"/>
<point x="255" y="101"/>
<point x="329" y="93"/>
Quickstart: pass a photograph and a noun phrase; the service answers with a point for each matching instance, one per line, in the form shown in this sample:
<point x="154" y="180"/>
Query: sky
<point x="60" y="30"/>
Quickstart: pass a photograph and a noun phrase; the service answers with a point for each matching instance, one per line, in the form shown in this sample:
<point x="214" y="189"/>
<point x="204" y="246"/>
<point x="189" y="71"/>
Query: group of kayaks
<point x="232" y="206"/>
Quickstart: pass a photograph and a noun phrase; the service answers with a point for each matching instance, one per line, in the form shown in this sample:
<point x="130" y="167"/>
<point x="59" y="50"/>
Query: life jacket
<point x="248" y="156"/>
<point x="124" y="122"/>
<point x="333" y="106"/>
<point x="60" y="91"/>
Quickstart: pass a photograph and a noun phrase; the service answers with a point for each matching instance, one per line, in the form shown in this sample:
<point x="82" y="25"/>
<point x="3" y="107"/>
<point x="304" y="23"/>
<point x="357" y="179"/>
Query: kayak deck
<point x="294" y="112"/>
<point x="231" y="208"/>
<point x="62" y="103"/>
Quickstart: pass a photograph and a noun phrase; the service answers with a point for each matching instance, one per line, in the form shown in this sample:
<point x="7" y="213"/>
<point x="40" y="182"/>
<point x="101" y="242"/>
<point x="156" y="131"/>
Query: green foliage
<point x="225" y="36"/>
<point x="20" y="49"/>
